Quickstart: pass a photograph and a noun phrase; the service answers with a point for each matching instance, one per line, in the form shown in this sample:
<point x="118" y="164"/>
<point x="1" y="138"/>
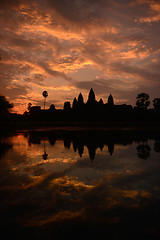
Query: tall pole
<point x="45" y="94"/>
<point x="44" y="102"/>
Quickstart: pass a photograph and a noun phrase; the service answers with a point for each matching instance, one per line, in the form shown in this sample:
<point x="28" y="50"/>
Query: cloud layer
<point x="67" y="47"/>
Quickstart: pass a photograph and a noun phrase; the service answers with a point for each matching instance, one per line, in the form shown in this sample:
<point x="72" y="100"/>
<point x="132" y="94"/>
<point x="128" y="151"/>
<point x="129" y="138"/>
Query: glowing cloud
<point x="52" y="44"/>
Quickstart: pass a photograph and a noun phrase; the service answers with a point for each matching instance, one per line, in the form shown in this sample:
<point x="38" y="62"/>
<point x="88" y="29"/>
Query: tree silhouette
<point x="156" y="104"/>
<point x="52" y="107"/>
<point x="45" y="94"/>
<point x="29" y="106"/>
<point x="142" y="100"/>
<point x="5" y="105"/>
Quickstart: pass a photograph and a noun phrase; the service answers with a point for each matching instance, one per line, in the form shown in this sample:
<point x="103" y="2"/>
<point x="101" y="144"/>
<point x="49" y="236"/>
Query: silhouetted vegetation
<point x="52" y="107"/>
<point x="5" y="108"/>
<point x="142" y="100"/>
<point x="29" y="106"/>
<point x="156" y="104"/>
<point x="5" y="105"/>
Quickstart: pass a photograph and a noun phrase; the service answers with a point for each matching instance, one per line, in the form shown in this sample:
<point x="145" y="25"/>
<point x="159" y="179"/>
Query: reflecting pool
<point x="58" y="184"/>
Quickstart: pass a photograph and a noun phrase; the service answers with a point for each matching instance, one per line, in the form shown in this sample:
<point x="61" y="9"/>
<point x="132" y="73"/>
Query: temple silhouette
<point x="79" y="112"/>
<point x="93" y="110"/>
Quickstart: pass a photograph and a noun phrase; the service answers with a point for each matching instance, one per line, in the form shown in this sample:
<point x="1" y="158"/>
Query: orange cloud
<point x="155" y="8"/>
<point x="60" y="42"/>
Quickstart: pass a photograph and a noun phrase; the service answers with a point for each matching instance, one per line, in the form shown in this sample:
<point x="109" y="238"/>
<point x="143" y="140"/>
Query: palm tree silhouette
<point x="45" y="94"/>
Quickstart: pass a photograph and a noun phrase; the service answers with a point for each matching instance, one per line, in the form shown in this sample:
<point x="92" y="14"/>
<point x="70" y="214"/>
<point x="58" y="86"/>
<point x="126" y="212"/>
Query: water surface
<point x="58" y="183"/>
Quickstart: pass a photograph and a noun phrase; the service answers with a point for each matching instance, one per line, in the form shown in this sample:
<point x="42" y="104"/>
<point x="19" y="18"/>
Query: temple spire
<point x="91" y="96"/>
<point x="80" y="99"/>
<point x="110" y="100"/>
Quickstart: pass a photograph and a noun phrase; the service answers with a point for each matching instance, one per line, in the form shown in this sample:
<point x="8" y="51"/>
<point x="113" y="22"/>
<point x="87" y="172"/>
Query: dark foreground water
<point x="74" y="184"/>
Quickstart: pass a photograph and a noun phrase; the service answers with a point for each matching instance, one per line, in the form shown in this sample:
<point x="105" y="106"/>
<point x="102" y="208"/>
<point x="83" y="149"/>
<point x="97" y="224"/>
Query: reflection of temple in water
<point x="92" y="145"/>
<point x="94" y="140"/>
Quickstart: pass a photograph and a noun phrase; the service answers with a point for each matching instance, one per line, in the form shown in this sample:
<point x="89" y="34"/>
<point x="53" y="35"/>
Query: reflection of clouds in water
<point x="23" y="157"/>
<point x="72" y="199"/>
<point x="67" y="187"/>
<point x="27" y="159"/>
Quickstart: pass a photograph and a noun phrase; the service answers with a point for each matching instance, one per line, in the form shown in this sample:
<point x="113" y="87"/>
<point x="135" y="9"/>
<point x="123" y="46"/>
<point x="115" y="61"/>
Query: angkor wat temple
<point x="92" y="110"/>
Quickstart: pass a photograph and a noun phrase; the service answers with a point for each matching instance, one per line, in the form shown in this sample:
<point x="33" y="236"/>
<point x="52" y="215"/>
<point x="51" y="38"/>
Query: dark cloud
<point x="38" y="79"/>
<point x="17" y="91"/>
<point x="9" y="86"/>
<point x="104" y="87"/>
<point x="69" y="60"/>
<point x="10" y="3"/>
<point x="79" y="11"/>
<point x="100" y="86"/>
<point x="92" y="12"/>
<point x="147" y="74"/>
<point x="11" y="17"/>
<point x="100" y="56"/>
<point x="54" y="73"/>
<point x="25" y="43"/>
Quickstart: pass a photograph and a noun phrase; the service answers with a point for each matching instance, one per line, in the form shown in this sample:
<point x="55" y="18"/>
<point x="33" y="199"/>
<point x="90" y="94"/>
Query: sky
<point x="69" y="46"/>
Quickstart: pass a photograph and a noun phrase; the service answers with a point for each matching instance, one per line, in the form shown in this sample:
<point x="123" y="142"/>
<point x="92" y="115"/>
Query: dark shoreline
<point x="74" y="126"/>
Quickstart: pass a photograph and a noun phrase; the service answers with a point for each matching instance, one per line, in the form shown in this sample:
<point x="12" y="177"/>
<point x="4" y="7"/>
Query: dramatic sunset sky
<point x="68" y="46"/>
